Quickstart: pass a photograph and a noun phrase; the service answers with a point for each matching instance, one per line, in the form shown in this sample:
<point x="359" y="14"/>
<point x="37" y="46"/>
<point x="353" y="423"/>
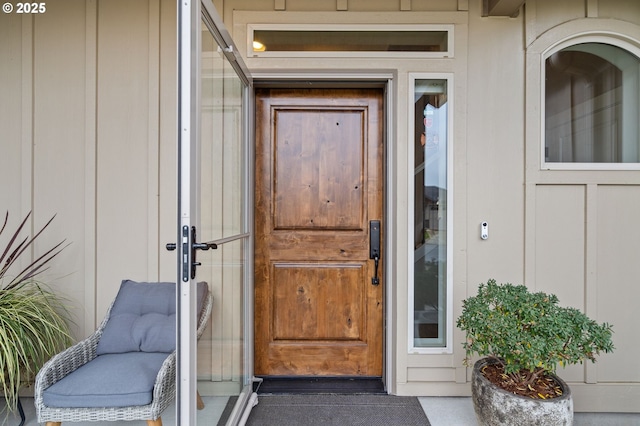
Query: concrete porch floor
<point x="441" y="411"/>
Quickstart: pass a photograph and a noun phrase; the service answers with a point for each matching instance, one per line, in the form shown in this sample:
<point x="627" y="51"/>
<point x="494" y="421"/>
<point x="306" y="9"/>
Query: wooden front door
<point x="319" y="183"/>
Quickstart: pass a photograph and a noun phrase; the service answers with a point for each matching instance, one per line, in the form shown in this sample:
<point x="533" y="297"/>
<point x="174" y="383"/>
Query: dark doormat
<point x="343" y="410"/>
<point x="304" y="385"/>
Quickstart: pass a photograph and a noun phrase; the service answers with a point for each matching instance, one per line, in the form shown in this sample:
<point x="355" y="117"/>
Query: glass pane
<point x="349" y="41"/>
<point x="592" y="105"/>
<point x="220" y="349"/>
<point x="222" y="150"/>
<point x="430" y="215"/>
<point x="222" y="169"/>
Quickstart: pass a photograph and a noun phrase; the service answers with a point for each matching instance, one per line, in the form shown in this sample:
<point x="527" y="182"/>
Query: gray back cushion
<point x="143" y="318"/>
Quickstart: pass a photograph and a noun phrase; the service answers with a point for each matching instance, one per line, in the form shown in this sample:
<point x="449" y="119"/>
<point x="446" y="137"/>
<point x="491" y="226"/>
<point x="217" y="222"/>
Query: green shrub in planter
<point x="529" y="334"/>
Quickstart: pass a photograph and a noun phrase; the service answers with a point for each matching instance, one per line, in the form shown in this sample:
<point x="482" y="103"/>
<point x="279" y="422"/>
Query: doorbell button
<point x="484" y="230"/>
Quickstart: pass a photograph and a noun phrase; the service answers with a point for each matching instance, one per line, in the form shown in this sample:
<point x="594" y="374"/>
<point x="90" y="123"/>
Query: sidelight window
<point x="431" y="213"/>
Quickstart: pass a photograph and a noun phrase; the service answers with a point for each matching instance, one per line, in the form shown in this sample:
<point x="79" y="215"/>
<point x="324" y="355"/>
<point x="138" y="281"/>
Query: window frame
<point x="447" y="347"/>
<point x="628" y="46"/>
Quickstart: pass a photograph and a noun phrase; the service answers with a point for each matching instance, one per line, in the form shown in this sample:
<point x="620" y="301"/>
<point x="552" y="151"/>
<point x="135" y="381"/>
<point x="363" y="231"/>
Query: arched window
<point x="592" y="105"/>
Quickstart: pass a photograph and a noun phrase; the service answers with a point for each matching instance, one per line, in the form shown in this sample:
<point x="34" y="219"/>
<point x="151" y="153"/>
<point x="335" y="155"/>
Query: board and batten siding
<point x="87" y="124"/>
<point x="581" y="235"/>
<point x="88" y="132"/>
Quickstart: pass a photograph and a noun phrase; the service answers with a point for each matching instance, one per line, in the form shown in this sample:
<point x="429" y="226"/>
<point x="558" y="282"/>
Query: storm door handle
<point x="190" y="237"/>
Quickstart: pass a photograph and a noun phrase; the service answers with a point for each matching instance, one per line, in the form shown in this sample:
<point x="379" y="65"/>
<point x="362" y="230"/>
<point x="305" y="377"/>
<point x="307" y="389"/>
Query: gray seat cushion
<point x="110" y="380"/>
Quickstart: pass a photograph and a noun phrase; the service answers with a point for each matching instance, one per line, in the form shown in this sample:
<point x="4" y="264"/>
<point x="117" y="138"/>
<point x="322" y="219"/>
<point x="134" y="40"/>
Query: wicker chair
<point x="68" y="361"/>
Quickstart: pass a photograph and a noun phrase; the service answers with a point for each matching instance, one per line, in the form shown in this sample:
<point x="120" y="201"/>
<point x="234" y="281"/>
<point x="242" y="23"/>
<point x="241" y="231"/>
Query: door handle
<point x="374" y="248"/>
<point x="194" y="246"/>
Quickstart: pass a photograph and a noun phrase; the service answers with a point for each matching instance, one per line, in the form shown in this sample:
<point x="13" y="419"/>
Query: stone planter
<point x="495" y="406"/>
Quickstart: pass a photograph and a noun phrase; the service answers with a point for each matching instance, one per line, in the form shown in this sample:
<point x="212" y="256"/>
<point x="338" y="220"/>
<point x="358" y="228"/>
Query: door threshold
<point x="319" y="385"/>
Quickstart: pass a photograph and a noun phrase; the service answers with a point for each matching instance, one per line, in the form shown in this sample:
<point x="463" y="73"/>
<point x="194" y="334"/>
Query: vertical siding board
<point x="560" y="219"/>
<point x="530" y="22"/>
<point x="26" y="142"/>
<point x="591" y="267"/>
<point x="58" y="149"/>
<point x="90" y="106"/>
<point x="591" y="8"/>
<point x="153" y="178"/>
<point x="494" y="186"/>
<point x="168" y="133"/>
<point x="463" y="5"/>
<point x="618" y="270"/>
<point x="458" y="153"/>
<point x="11" y="113"/>
<point x="122" y="146"/>
<point x="559" y="249"/>
<point x="529" y="233"/>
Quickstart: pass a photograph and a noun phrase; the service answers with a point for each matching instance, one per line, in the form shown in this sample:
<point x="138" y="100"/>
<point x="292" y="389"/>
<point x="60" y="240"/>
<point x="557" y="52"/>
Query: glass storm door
<point x="214" y="209"/>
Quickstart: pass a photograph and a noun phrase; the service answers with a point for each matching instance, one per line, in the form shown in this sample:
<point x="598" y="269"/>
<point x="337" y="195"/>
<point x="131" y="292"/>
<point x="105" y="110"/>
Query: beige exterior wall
<point x="87" y="131"/>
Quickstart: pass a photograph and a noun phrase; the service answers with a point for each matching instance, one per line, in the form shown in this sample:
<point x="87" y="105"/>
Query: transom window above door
<point x="311" y="40"/>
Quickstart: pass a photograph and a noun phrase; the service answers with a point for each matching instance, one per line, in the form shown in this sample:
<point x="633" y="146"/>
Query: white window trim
<point x="251" y="28"/>
<point x="448" y="347"/>
<point x="611" y="38"/>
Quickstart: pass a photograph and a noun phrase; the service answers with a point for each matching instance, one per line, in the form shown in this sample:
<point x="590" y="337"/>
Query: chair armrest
<point x="164" y="389"/>
<point x="66" y="362"/>
<point x="204" y="314"/>
<point x="69" y="360"/>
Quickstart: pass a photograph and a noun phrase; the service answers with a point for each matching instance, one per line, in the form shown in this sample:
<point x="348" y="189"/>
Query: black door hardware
<point x="186" y="240"/>
<point x="374" y="247"/>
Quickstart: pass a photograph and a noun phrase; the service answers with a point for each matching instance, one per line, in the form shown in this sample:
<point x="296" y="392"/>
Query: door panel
<point x="318" y="184"/>
<point x="314" y="302"/>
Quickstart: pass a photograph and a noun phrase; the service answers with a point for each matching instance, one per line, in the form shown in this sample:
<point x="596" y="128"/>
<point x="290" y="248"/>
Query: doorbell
<point x="484" y="230"/>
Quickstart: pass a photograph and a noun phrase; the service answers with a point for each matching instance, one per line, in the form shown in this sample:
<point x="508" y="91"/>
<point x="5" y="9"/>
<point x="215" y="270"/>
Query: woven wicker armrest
<point x="164" y="390"/>
<point x="67" y="361"/>
<point x="205" y="313"/>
